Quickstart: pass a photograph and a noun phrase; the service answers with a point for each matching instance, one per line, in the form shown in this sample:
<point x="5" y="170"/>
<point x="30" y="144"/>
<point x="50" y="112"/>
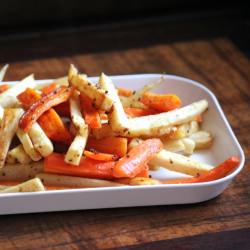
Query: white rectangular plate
<point x="225" y="145"/>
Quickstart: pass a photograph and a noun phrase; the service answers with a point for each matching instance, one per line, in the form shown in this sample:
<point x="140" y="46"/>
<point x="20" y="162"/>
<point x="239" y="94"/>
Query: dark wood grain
<point x="238" y="239"/>
<point x="219" y="65"/>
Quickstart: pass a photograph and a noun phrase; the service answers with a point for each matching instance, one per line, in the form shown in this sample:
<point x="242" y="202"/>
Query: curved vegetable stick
<point x="132" y="164"/>
<point x="89" y="168"/>
<point x="218" y="172"/>
<point x="60" y="95"/>
<point x="160" y="102"/>
<point x="100" y="156"/>
<point x="50" y="121"/>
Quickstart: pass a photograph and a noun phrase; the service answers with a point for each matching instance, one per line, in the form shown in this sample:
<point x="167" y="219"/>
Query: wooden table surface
<point x="222" y="223"/>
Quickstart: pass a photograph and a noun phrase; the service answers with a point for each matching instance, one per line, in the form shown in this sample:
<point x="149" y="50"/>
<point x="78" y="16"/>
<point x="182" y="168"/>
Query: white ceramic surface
<point x="225" y="145"/>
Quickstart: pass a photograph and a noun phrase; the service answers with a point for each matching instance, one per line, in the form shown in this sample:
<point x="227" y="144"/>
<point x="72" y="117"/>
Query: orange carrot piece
<point x="60" y="95"/>
<point x="54" y="127"/>
<point x="90" y="113"/>
<point x="49" y="88"/>
<point x="136" y="112"/>
<point x="100" y="156"/>
<point x="63" y="109"/>
<point x="218" y="172"/>
<point x="50" y="121"/>
<point x="144" y="173"/>
<point x="3" y="87"/>
<point x="111" y="145"/>
<point x="160" y="102"/>
<point x="133" y="163"/>
<point x="28" y="97"/>
<point x="125" y="92"/>
<point x="55" y="163"/>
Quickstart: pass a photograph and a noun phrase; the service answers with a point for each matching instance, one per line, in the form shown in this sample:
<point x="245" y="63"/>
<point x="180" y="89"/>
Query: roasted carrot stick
<point x="218" y="172"/>
<point x="50" y="121"/>
<point x="100" y="156"/>
<point x="125" y="92"/>
<point x="111" y="145"/>
<point x="54" y="127"/>
<point x="55" y="163"/>
<point x="3" y="87"/>
<point x="132" y="164"/>
<point x="160" y="102"/>
<point x="136" y="112"/>
<point x="60" y="95"/>
<point x="91" y="115"/>
<point x="144" y="173"/>
<point x="49" y="88"/>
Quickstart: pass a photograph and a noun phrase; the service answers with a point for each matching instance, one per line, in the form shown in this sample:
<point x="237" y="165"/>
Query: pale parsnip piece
<point x="189" y="145"/>
<point x="18" y="155"/>
<point x="139" y="181"/>
<point x="117" y="118"/>
<point x="40" y="140"/>
<point x="8" y="129"/>
<point x="202" y="139"/>
<point x="75" y="151"/>
<point x="33" y="185"/>
<point x="8" y="98"/>
<point x="28" y="145"/>
<point x="185" y="130"/>
<point x="159" y="124"/>
<point x="19" y="172"/>
<point x="3" y="71"/>
<point x="180" y="163"/>
<point x="75" y="113"/>
<point x="174" y="145"/>
<point x="98" y="96"/>
<point x="72" y="181"/>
